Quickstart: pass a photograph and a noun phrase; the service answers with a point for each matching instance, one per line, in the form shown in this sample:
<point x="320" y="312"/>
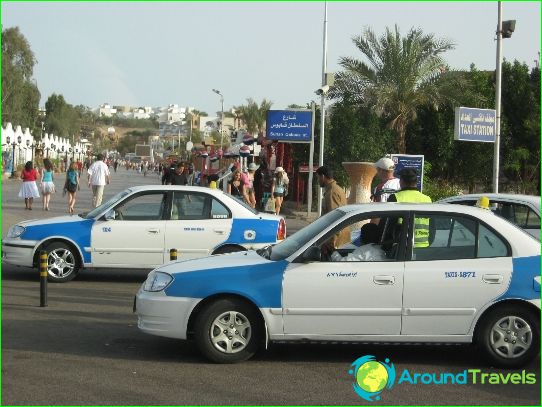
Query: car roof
<point x="212" y="191"/>
<point x="534" y="199"/>
<point x="407" y="206"/>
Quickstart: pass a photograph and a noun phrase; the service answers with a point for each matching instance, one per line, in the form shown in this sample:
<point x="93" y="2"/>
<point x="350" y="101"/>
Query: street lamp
<point x="13" y="165"/>
<point x="504" y="30"/>
<point x="222" y="116"/>
<point x="32" y="147"/>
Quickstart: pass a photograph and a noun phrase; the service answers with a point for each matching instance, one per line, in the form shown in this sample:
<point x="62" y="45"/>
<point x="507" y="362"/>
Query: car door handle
<point x="219" y="231"/>
<point x="154" y="231"/>
<point x="384" y="280"/>
<point x="492" y="278"/>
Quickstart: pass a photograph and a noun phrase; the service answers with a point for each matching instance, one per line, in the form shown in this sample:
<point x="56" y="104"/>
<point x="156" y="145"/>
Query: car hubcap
<point x="61" y="263"/>
<point x="511" y="337"/>
<point x="230" y="332"/>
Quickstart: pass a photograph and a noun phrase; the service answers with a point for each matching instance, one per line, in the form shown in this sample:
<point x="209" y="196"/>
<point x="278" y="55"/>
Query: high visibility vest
<point x="421" y="225"/>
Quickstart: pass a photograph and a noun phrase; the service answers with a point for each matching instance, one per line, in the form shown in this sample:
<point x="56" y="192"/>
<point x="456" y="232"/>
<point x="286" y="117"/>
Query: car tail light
<point x="281" y="232"/>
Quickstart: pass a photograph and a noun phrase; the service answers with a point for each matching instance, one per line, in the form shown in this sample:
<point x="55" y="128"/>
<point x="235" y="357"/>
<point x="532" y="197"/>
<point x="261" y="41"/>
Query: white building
<point x="106" y="110"/>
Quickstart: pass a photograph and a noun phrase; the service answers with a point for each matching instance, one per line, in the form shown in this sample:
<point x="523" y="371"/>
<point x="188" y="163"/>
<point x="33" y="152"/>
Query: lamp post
<point x="32" y="147"/>
<point x="504" y="30"/>
<point x="13" y="165"/>
<point x="222" y="116"/>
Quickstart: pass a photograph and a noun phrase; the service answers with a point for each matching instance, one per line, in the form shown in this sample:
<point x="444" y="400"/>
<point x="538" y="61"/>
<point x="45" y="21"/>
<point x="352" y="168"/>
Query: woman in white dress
<point x="29" y="189"/>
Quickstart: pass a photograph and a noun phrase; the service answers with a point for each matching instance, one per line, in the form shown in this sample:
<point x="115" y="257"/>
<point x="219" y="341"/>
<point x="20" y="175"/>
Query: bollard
<point x="43" y="278"/>
<point x="173" y="254"/>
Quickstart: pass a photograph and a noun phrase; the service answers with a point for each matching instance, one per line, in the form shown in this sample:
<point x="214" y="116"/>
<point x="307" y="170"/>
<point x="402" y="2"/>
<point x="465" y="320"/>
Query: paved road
<point x="85" y="349"/>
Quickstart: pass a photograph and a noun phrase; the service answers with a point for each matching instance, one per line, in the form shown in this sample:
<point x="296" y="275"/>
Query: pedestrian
<point x="388" y="182"/>
<point x="334" y="197"/>
<point x="248" y="182"/>
<point x="236" y="186"/>
<point x="191" y="175"/>
<point x="72" y="185"/>
<point x="115" y="165"/>
<point x="263" y="182"/>
<point x="47" y="183"/>
<point x="98" y="178"/>
<point x="409" y="193"/>
<point x="29" y="189"/>
<point x="279" y="188"/>
<point x="79" y="167"/>
<point x="178" y="177"/>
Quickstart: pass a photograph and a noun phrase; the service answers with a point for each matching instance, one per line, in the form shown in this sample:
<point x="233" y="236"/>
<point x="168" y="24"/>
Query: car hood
<point x="50" y="221"/>
<point x="219" y="261"/>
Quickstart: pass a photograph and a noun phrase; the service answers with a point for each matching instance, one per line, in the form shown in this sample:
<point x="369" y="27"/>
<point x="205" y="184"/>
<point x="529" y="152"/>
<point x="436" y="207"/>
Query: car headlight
<point x="157" y="281"/>
<point x="15" y="231"/>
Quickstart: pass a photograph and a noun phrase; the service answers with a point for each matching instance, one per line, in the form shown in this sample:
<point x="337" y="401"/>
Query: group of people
<point x="98" y="177"/>
<point x="390" y="189"/>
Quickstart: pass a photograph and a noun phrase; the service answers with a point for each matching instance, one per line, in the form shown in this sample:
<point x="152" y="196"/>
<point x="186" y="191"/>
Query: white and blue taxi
<point x="450" y="274"/>
<point x="138" y="227"/>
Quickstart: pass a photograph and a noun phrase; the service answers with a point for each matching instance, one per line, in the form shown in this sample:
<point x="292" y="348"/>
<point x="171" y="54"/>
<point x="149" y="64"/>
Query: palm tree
<point x="402" y="75"/>
<point x="254" y="115"/>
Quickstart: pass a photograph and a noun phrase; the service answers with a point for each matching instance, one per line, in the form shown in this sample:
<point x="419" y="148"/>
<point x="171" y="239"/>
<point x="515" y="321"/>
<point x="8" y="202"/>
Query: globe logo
<point x="372" y="377"/>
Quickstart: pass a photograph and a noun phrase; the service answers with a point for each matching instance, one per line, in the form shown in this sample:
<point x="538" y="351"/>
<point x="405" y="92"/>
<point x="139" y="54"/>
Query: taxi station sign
<point x="475" y="124"/>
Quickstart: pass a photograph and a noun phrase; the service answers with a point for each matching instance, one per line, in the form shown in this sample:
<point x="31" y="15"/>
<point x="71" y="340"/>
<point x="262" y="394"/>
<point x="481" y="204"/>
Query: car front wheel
<point x="62" y="262"/>
<point x="510" y="336"/>
<point x="228" y="331"/>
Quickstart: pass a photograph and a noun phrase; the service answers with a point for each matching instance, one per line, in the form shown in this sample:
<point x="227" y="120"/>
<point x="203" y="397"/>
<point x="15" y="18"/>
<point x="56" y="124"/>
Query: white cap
<point x="279" y="169"/>
<point x="252" y="167"/>
<point x="385" y="163"/>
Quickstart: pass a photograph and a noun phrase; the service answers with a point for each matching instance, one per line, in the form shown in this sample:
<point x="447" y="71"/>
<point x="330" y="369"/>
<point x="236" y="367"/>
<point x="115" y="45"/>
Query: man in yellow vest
<point x="409" y="193"/>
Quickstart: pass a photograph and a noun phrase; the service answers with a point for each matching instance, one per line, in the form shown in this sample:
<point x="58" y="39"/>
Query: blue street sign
<point x="289" y="125"/>
<point x="475" y="124"/>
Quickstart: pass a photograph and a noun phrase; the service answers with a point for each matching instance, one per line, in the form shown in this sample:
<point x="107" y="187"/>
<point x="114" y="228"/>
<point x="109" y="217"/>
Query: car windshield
<point x="293" y="243"/>
<point x="110" y="202"/>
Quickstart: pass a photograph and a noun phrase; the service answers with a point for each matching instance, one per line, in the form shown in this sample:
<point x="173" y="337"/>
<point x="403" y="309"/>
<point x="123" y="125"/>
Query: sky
<point x="161" y="53"/>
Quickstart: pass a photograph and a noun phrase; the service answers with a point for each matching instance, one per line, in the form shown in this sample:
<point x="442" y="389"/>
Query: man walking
<point x="333" y="198"/>
<point x="98" y="178"/>
<point x="178" y="177"/>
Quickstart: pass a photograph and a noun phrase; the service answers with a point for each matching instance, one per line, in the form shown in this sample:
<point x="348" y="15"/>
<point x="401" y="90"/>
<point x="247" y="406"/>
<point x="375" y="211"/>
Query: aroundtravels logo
<point x="372" y="377"/>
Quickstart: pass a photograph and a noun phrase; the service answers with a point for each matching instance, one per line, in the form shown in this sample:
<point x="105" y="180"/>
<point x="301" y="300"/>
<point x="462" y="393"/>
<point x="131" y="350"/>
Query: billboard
<point x="403" y="161"/>
<point x="143" y="150"/>
<point x="294" y="126"/>
<point x="475" y="124"/>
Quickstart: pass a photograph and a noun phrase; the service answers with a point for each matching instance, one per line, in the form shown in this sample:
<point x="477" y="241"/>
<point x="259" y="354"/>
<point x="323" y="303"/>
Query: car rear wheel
<point x="510" y="336"/>
<point x="228" y="331"/>
<point x="62" y="262"/>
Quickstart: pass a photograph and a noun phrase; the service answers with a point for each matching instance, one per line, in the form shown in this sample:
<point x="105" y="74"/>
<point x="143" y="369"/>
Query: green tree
<point x="402" y="75"/>
<point x="61" y="118"/>
<point x="254" y="114"/>
<point x="20" y="94"/>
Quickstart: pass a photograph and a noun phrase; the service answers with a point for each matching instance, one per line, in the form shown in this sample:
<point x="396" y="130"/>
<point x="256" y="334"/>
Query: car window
<point x="453" y="237"/>
<point x="219" y="211"/>
<point x="149" y="206"/>
<point x="489" y="244"/>
<point x="109" y="203"/>
<point x="190" y="206"/>
<point x="448" y="237"/>
<point x="525" y="217"/>
<point x="367" y="237"/>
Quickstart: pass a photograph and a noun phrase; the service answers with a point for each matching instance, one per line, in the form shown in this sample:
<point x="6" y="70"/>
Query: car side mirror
<point x="313" y="253"/>
<point x="110" y="215"/>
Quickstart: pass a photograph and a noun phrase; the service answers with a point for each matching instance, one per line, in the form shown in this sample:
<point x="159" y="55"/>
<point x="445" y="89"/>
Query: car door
<point x="465" y="266"/>
<point x="134" y="235"/>
<point x="347" y="297"/>
<point x="198" y="223"/>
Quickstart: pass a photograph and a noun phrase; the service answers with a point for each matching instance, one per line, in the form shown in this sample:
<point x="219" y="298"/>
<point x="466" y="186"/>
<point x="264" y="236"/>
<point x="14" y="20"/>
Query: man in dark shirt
<point x="178" y="177"/>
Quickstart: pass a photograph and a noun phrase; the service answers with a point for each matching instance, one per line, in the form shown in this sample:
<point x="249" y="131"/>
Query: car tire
<point x="229" y="249"/>
<point x="509" y="336"/>
<point x="228" y="331"/>
<point x="62" y="262"/>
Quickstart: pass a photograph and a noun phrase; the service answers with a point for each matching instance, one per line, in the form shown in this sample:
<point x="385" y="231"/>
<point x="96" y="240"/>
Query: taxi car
<point x="137" y="228"/>
<point x="476" y="278"/>
<point x="521" y="210"/>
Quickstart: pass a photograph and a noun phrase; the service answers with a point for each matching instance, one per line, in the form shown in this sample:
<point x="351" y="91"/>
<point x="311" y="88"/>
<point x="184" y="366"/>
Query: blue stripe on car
<point x="524" y="271"/>
<point x="79" y="232"/>
<point x="261" y="283"/>
<point x="266" y="231"/>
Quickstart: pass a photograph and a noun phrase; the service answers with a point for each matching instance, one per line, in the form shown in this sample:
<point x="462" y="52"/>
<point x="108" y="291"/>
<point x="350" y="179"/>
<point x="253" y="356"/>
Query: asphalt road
<point x="85" y="349"/>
